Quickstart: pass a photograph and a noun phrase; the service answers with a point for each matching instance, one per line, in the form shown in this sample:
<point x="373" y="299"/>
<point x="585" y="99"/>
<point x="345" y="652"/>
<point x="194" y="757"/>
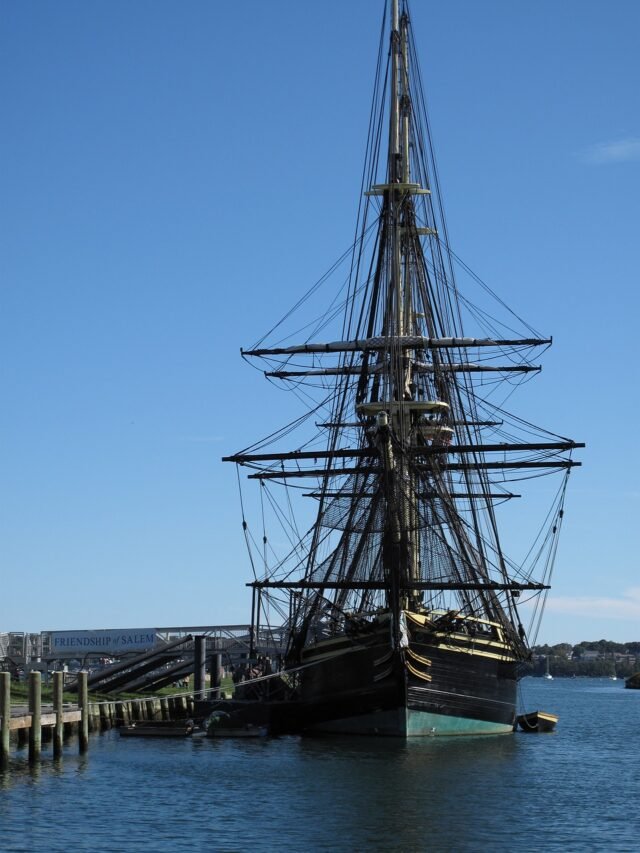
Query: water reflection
<point x="294" y="794"/>
<point x="408" y="791"/>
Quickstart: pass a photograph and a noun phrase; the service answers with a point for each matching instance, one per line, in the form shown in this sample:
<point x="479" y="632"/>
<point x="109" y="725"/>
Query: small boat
<point x="537" y="721"/>
<point x="174" y="729"/>
<point x="221" y="724"/>
<point x="547" y="674"/>
<point x="238" y="731"/>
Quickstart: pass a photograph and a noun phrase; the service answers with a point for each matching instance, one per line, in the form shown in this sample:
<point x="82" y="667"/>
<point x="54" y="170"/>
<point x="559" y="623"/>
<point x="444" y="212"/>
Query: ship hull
<point x="433" y="686"/>
<point x="407" y="723"/>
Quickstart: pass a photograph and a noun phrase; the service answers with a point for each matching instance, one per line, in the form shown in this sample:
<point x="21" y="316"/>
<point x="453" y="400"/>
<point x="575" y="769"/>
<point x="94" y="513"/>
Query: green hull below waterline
<point x="424" y="724"/>
<point x="408" y="723"/>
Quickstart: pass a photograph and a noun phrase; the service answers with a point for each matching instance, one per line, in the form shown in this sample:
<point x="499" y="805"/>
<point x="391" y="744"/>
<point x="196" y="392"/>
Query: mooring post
<point x="216" y="675"/>
<point x="58" y="707"/>
<point x="35" y="709"/>
<point x="94" y="717"/>
<point x="199" y="667"/>
<point x="5" y="713"/>
<point x="83" y="703"/>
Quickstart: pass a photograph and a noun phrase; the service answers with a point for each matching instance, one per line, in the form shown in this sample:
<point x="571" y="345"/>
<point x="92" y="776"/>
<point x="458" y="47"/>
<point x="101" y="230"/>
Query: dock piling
<point x="199" y="666"/>
<point x="35" y="709"/>
<point x="83" y="703"/>
<point x="104" y="717"/>
<point x="58" y="707"/>
<point x="216" y="675"/>
<point x="5" y="713"/>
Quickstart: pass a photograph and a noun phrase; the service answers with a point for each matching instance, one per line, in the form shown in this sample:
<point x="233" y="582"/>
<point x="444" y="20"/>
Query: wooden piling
<point x="199" y="666"/>
<point x="94" y="717"/>
<point x="35" y="709"/>
<point x="58" y="732"/>
<point x="216" y="675"/>
<point x="83" y="702"/>
<point x="5" y="713"/>
<point x="104" y="717"/>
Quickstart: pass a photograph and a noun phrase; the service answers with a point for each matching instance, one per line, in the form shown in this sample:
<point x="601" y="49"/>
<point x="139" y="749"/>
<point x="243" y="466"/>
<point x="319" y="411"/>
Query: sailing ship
<point x="399" y="606"/>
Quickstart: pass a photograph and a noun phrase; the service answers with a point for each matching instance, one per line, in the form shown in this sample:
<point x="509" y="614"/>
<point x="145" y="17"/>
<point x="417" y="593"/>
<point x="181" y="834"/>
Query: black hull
<point x="358" y="685"/>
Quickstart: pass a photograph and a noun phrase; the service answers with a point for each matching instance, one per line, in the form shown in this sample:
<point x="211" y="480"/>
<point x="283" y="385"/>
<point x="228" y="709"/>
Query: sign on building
<point x="75" y="644"/>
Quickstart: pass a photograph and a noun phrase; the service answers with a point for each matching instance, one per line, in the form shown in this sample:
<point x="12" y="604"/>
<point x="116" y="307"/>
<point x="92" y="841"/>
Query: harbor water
<point x="576" y="789"/>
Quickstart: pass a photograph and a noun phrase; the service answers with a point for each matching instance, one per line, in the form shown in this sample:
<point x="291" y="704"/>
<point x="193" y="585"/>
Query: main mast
<point x="400" y="553"/>
<point x="406" y="484"/>
<point x="395" y="170"/>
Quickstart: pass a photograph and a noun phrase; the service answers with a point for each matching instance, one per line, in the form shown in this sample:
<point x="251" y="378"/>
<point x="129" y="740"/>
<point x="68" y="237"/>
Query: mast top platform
<point x="410" y="188"/>
<point x="373" y="408"/>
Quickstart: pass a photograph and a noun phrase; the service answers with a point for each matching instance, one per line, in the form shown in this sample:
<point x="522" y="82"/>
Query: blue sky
<point x="175" y="174"/>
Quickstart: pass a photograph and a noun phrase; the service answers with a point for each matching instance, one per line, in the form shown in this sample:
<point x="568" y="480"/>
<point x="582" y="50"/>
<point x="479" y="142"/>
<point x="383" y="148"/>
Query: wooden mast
<point x="406" y="379"/>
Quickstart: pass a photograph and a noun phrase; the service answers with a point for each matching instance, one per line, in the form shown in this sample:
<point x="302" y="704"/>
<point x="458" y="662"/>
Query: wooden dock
<point x="60" y="719"/>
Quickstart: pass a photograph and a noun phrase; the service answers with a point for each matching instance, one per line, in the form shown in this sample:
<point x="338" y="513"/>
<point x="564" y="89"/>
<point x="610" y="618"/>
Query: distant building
<point x="588" y="654"/>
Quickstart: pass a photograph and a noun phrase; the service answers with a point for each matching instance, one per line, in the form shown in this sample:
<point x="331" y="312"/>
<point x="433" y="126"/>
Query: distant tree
<point x="568" y="660"/>
<point x="605" y="647"/>
<point x="562" y="650"/>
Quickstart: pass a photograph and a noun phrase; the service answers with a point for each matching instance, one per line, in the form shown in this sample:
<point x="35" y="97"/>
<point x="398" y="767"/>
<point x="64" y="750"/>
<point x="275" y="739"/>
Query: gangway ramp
<point x="118" y="677"/>
<point x="158" y="679"/>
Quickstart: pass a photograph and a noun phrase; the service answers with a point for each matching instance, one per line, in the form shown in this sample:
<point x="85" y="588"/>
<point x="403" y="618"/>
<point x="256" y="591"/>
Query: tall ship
<point x="402" y="612"/>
